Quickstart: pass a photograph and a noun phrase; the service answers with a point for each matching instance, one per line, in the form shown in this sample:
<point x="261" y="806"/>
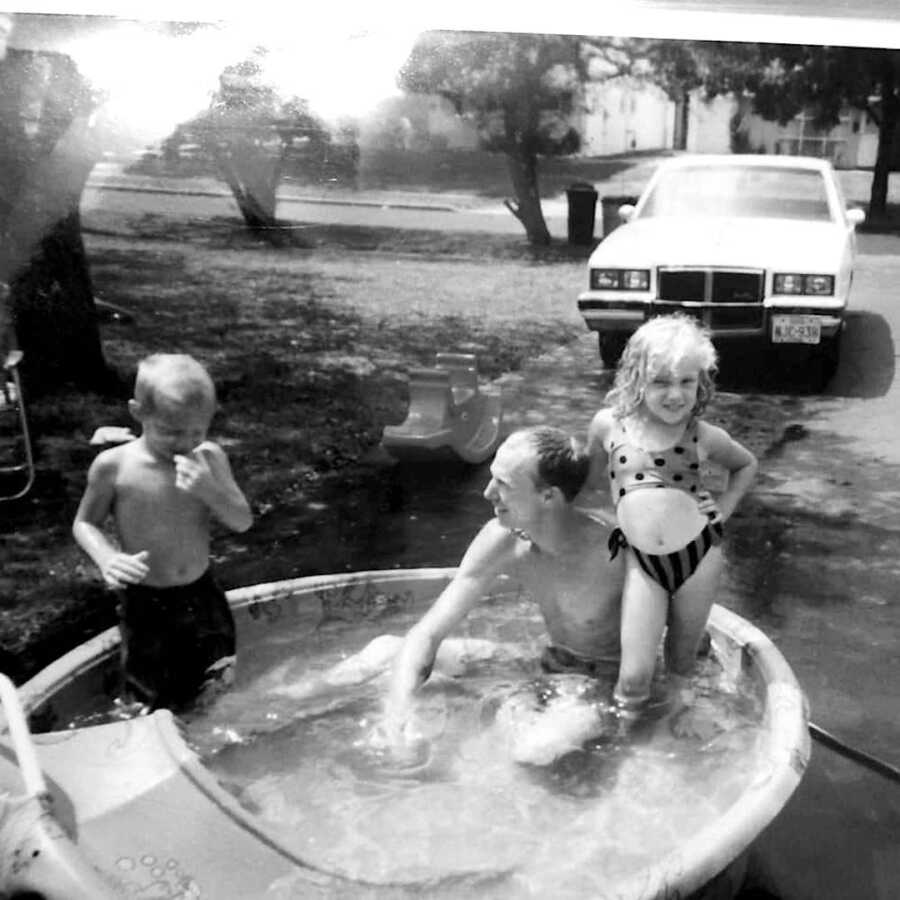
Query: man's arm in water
<point x="489" y="553"/>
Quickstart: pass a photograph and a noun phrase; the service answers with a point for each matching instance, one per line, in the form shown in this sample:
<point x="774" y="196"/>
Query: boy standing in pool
<point x="161" y="490"/>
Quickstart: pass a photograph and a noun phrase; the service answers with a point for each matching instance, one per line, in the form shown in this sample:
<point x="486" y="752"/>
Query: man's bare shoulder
<point x="496" y="540"/>
<point x="491" y="551"/>
<point x="596" y="520"/>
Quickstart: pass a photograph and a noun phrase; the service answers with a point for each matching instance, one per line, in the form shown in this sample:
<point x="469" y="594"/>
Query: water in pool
<point x="459" y="813"/>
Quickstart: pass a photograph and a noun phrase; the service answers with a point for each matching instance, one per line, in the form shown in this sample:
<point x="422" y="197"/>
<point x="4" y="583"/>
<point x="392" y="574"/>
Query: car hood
<point x="757" y="243"/>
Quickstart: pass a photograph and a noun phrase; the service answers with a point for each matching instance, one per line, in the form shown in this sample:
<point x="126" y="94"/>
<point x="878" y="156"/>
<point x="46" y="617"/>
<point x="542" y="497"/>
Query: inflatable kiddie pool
<point x="128" y="809"/>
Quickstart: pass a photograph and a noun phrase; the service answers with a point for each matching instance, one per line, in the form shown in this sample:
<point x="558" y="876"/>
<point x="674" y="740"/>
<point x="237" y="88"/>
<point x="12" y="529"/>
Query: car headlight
<point x="620" y="279"/>
<point x="793" y="283"/>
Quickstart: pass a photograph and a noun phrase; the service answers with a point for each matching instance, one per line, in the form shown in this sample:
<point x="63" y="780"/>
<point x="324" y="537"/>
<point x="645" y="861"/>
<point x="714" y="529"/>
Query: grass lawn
<point x="310" y="350"/>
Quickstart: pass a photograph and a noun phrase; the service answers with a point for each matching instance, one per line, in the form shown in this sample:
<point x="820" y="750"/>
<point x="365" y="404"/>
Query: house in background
<point x="851" y="144"/>
<point x="624" y="116"/>
<point x="621" y="115"/>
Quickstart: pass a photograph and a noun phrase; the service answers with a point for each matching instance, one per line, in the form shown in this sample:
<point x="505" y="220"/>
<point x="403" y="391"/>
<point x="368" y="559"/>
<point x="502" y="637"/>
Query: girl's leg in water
<point x="645" y="607"/>
<point x="689" y="612"/>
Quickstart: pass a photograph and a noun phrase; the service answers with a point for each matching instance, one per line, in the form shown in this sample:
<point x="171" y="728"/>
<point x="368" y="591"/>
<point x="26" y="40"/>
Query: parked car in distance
<point x="754" y="246"/>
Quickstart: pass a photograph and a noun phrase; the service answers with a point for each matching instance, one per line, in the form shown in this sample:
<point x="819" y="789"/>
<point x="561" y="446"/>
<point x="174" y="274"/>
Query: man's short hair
<point x="562" y="461"/>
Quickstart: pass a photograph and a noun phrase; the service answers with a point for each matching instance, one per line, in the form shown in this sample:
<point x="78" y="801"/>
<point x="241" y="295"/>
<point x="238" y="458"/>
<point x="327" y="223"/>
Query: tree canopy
<point x="518" y="90"/>
<point x="249" y="129"/>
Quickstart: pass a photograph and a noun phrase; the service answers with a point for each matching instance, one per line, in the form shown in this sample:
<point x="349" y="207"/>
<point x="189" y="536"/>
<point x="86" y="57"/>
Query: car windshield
<point x="743" y="191"/>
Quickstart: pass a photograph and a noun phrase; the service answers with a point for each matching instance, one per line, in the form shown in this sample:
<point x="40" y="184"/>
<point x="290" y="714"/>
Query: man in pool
<point x="559" y="553"/>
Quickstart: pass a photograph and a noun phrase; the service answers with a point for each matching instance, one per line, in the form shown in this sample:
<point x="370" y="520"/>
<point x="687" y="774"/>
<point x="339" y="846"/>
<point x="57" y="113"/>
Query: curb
<point x="289" y="198"/>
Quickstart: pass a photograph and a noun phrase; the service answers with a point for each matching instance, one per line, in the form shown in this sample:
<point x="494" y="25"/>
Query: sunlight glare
<point x="342" y="75"/>
<point x="152" y="81"/>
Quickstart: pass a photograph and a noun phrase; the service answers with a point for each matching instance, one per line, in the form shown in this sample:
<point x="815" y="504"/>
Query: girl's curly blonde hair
<point x="661" y="343"/>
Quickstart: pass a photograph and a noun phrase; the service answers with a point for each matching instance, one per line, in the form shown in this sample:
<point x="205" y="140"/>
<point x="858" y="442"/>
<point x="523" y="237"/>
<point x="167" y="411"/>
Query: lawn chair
<point x="16" y="454"/>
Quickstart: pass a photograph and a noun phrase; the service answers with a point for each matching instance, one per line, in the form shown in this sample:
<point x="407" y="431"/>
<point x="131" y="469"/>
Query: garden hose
<point x="865" y="759"/>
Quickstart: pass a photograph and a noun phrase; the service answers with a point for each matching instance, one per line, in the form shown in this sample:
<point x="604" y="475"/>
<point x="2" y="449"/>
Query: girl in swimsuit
<point x="652" y="445"/>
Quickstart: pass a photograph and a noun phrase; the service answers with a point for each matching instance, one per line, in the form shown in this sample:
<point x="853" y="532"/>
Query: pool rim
<point x="685" y="869"/>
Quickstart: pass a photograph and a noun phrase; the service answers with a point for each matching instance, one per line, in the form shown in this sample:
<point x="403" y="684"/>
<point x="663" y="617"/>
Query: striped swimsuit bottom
<point x="671" y="570"/>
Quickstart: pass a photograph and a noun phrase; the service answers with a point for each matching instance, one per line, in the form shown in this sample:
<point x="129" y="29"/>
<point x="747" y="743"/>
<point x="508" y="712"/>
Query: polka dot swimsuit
<point x="631" y="467"/>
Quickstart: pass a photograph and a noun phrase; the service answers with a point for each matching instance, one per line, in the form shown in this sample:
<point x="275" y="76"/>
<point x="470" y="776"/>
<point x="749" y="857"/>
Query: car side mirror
<point x="856" y="216"/>
<point x="626" y="211"/>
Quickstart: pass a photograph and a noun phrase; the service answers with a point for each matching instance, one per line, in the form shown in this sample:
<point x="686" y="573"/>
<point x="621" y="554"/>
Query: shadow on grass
<point x="229" y="233"/>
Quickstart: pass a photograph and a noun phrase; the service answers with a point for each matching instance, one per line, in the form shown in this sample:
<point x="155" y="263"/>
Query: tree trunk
<point x="887" y="129"/>
<point x="47" y="155"/>
<point x="56" y="320"/>
<point x="253" y="174"/>
<point x="527" y="204"/>
<point x="682" y="120"/>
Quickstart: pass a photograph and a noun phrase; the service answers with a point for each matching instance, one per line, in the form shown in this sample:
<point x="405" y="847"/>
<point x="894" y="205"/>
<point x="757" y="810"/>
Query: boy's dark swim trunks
<point x="171" y="639"/>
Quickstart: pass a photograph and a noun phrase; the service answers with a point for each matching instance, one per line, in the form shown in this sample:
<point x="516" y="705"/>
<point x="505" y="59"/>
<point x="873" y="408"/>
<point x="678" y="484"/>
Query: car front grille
<point x="724" y="299"/>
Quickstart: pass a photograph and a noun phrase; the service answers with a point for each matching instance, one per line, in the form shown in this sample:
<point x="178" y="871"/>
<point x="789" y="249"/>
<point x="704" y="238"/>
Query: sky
<point x="153" y="80"/>
<point x="344" y="59"/>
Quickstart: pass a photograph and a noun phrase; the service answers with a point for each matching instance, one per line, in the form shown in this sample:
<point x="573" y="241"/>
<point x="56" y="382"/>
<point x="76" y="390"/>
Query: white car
<point x="755" y="246"/>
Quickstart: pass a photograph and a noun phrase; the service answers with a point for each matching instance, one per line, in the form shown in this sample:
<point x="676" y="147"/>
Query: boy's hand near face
<point x="204" y="473"/>
<point x="195" y="473"/>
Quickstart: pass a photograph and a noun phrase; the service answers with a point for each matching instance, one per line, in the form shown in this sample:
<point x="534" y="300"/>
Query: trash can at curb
<point x="582" y="210"/>
<point x="610" y="209"/>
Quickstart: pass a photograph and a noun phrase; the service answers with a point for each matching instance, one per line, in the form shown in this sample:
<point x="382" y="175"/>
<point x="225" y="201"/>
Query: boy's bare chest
<point x="150" y="490"/>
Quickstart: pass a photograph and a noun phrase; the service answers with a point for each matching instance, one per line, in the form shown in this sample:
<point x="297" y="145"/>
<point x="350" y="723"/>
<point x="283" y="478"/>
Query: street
<point x="108" y="192"/>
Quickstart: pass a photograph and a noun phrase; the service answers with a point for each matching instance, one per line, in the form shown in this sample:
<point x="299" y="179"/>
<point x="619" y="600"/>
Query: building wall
<point x="851" y="144"/>
<point x="799" y="138"/>
<point x="709" y="124"/>
<point x="624" y="116"/>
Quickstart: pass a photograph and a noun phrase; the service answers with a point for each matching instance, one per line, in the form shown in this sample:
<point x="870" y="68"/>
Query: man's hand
<point x="406" y="732"/>
<point x="126" y="568"/>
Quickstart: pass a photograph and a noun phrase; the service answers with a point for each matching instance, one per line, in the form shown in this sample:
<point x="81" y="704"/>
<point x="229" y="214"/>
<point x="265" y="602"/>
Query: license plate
<point x="796" y="330"/>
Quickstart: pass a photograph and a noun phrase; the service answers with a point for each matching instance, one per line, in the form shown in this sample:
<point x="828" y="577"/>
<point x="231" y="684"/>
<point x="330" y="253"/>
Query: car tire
<point x="611" y="346"/>
<point x="829" y="358"/>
